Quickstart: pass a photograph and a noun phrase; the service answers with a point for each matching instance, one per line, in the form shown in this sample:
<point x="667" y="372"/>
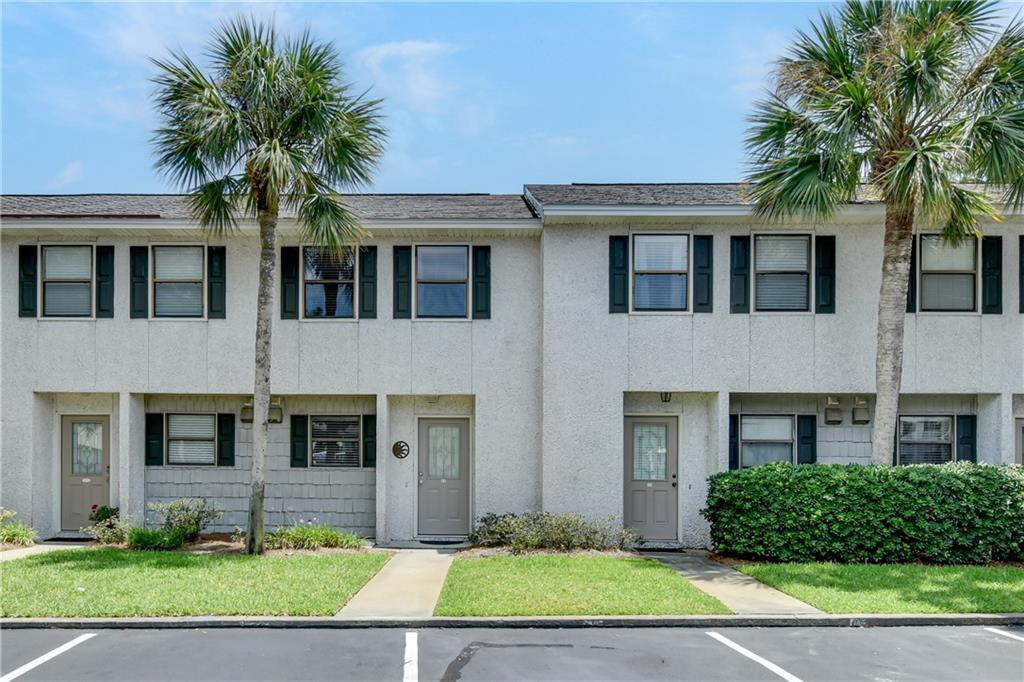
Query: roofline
<point x="15" y="222"/>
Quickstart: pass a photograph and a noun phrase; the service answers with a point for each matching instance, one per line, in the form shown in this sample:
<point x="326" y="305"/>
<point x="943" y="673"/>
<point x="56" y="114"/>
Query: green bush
<point x="15" y="532"/>
<point x="543" y="530"/>
<point x="138" y="537"/>
<point x="190" y="515"/>
<point x="311" y="536"/>
<point x="950" y="514"/>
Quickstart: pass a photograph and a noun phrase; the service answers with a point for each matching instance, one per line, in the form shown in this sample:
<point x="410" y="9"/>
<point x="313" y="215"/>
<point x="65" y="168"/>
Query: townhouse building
<point x="599" y="349"/>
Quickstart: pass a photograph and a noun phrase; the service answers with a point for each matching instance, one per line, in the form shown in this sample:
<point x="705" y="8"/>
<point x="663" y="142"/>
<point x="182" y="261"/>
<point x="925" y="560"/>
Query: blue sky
<point x="478" y="97"/>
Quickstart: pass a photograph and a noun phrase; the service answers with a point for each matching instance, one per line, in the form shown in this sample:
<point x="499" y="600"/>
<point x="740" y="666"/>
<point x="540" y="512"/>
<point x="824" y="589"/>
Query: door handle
<point x="673" y="484"/>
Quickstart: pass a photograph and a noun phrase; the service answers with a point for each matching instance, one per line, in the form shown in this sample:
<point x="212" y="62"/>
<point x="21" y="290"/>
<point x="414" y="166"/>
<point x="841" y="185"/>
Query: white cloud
<point x="68" y="175"/>
<point x="407" y="72"/>
<point x="754" y="57"/>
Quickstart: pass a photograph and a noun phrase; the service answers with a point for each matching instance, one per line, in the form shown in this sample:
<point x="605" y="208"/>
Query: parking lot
<point x="912" y="653"/>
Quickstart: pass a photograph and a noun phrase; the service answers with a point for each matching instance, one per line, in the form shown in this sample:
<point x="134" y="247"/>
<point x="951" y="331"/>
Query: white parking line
<point x="411" y="670"/>
<point x="35" y="663"/>
<point x="754" y="657"/>
<point x="1004" y="633"/>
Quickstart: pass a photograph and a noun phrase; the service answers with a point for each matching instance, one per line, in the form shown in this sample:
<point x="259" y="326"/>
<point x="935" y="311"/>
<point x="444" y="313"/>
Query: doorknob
<point x="673" y="484"/>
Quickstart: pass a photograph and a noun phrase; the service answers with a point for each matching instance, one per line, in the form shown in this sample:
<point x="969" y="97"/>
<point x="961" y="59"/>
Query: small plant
<point x="106" y="528"/>
<point x="15" y="532"/>
<point x="103" y="512"/>
<point x="190" y="515"/>
<point x="544" y="530"/>
<point x="138" y="537"/>
<point x="311" y="536"/>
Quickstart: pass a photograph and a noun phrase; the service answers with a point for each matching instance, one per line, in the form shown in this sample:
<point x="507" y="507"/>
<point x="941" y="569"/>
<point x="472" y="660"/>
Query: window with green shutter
<point x="104" y="281"/>
<point x="618" y="274"/>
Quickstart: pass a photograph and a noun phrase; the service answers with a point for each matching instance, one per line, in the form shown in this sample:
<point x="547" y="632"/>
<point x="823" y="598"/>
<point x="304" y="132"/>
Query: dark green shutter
<point x="28" y="268"/>
<point x="992" y="275"/>
<point x="481" y="282"/>
<point x="369" y="440"/>
<point x="912" y="281"/>
<point x="739" y="274"/>
<point x="806" y="439"/>
<point x="289" y="282"/>
<point x="402" y="282"/>
<point x="154" y="439"/>
<point x="217" y="282"/>
<point x="703" y="273"/>
<point x="300" y="440"/>
<point x="226" y="439"/>
<point x="104" y="281"/>
<point x="825" y="273"/>
<point x="734" y="441"/>
<point x="368" y="283"/>
<point x="139" y="257"/>
<point x="618" y="274"/>
<point x="966" y="438"/>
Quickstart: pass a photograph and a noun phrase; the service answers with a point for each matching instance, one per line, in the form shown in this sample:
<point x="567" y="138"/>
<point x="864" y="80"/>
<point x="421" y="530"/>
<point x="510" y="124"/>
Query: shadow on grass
<point x="106" y="558"/>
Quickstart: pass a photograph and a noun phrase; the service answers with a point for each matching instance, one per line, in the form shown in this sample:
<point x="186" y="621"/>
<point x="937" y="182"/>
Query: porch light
<point x="276" y="415"/>
<point x="833" y="411"/>
<point x="666" y="397"/>
<point x="860" y="411"/>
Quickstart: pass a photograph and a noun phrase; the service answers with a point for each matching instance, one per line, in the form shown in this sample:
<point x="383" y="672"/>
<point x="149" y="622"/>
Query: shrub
<point x="190" y="515"/>
<point x="543" y="530"/>
<point x="311" y="536"/>
<point x="102" y="513"/>
<point x="950" y="514"/>
<point x="138" y="537"/>
<point x="106" y="528"/>
<point x="15" y="532"/>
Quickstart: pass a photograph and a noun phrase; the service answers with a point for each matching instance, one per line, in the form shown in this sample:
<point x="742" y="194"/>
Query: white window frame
<point x="792" y="434"/>
<point x="952" y="434"/>
<point x="302" y="284"/>
<point x="467" y="316"/>
<point x="153" y="282"/>
<point x="811" y="265"/>
<point x="919" y="278"/>
<point x="359" y="442"/>
<point x="167" y="439"/>
<point x="633" y="310"/>
<point x="41" y="280"/>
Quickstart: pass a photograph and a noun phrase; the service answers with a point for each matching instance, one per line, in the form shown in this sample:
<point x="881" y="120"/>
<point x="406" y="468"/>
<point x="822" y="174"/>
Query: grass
<point x="117" y="582"/>
<point x="302" y="536"/>
<point x="897" y="588"/>
<point x="553" y="585"/>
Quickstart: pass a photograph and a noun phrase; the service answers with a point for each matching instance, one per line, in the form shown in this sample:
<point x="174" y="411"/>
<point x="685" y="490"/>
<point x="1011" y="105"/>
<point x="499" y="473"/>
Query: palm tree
<point x="271" y="124"/>
<point x="914" y="102"/>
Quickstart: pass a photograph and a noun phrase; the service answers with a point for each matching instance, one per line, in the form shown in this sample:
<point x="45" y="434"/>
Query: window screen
<point x="925" y="440"/>
<point x="948" y="274"/>
<point x="329" y="282"/>
<point x="178" y="281"/>
<point x="660" y="271"/>
<point x="67" y="281"/>
<point x="335" y="441"/>
<point x="442" y="274"/>
<point x="191" y="439"/>
<point x="765" y="439"/>
<point x="782" y="272"/>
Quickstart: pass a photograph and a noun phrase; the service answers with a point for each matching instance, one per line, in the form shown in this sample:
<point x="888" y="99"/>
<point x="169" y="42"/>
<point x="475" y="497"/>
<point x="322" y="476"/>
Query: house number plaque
<point x="400" y="449"/>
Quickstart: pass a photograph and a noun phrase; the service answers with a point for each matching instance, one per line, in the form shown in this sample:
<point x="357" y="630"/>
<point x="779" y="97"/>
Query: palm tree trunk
<point x="261" y="386"/>
<point x="892" y="310"/>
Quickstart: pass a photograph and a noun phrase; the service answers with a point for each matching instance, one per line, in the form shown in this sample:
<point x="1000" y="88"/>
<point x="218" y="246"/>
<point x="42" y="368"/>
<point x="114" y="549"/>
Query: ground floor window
<point x="925" y="440"/>
<point x="192" y="439"/>
<point x="335" y="441"/>
<point x="765" y="438"/>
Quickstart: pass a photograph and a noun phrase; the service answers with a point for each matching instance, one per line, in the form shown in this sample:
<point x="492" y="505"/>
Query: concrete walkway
<point x="739" y="592"/>
<point x="21" y="552"/>
<point x="407" y="587"/>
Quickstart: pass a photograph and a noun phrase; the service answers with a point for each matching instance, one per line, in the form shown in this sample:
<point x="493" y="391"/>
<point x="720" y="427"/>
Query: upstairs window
<point x="782" y="265"/>
<point x="661" y="266"/>
<point x="949" y="274"/>
<point x="67" y="281"/>
<point x="335" y="442"/>
<point x="925" y="440"/>
<point x="329" y="290"/>
<point x="765" y="438"/>
<point x="192" y="439"/>
<point x="442" y="281"/>
<point x="178" y="281"/>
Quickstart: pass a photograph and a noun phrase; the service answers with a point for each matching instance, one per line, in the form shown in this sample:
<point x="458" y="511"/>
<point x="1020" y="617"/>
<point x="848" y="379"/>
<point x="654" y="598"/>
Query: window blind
<point x="925" y="440"/>
<point x="442" y="281"/>
<point x="937" y="254"/>
<point x="441" y="263"/>
<point x="782" y="253"/>
<point x="660" y="252"/>
<point x="335" y="441"/>
<point x="191" y="438"/>
<point x="67" y="281"/>
<point x="67" y="262"/>
<point x="180" y="263"/>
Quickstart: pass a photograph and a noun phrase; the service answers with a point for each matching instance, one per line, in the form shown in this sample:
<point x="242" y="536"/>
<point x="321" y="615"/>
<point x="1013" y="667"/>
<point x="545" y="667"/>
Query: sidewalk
<point x="740" y="593"/>
<point x="42" y="548"/>
<point x="407" y="587"/>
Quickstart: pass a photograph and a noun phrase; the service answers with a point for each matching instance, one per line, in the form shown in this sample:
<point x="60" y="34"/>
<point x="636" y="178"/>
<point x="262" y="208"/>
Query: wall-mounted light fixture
<point x="833" y="411"/>
<point x="861" y="415"/>
<point x="666" y="397"/>
<point x="276" y="415"/>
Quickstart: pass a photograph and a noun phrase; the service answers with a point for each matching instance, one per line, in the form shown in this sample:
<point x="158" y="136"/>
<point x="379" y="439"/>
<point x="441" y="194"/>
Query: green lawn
<point x="897" y="588"/>
<point x="552" y="585"/>
<point x="117" y="582"/>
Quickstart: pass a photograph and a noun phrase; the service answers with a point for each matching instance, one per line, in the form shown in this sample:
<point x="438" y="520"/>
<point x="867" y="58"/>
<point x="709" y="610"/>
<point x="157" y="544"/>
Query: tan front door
<point x="443" y="460"/>
<point x="650" y="477"/>
<point x="85" y="468"/>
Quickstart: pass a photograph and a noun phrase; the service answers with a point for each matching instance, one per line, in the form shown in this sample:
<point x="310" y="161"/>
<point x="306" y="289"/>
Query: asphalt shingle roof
<point x="175" y="206"/>
<point x="666" y="194"/>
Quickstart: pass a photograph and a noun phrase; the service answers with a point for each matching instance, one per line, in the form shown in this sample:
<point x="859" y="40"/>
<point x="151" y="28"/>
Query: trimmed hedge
<point x="949" y="514"/>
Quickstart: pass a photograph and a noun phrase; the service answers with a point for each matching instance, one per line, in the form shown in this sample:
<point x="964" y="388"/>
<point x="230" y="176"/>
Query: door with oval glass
<point x="443" y="462"/>
<point x="651" y="480"/>
<point x="85" y="468"/>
